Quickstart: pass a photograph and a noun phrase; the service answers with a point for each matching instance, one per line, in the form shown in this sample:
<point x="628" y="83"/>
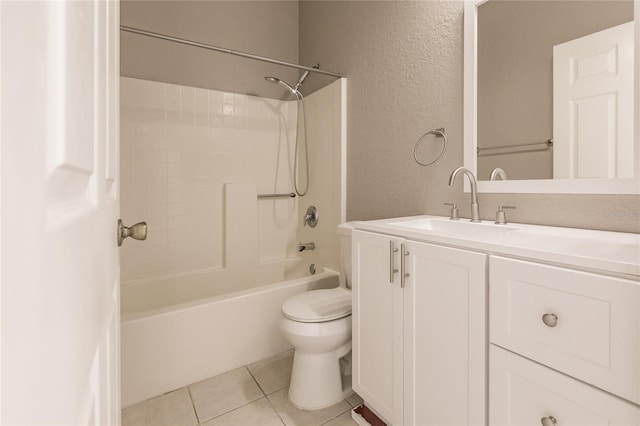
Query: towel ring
<point x="437" y="132"/>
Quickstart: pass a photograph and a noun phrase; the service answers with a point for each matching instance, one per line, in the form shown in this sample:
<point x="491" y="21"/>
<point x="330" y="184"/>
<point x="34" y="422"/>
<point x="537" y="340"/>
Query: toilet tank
<point x="344" y="233"/>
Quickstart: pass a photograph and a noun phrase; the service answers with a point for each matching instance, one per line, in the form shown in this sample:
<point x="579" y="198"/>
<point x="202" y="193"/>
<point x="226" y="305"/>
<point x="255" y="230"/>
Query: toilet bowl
<point x="318" y="325"/>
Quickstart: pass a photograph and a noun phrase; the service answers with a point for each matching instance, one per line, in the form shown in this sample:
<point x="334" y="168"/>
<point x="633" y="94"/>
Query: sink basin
<point x="460" y="227"/>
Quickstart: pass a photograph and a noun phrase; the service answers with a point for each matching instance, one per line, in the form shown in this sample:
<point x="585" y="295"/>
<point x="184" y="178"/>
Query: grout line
<point x="276" y="411"/>
<point x="346" y="411"/>
<point x="193" y="405"/>
<point x="256" y="381"/>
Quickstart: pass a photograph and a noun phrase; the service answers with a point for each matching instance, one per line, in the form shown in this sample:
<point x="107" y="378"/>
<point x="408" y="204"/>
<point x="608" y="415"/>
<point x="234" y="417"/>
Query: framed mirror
<point x="552" y="96"/>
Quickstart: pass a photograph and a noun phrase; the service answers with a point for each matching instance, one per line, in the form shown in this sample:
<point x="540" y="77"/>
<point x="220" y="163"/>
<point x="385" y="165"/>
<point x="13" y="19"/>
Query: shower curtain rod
<point x="229" y="51"/>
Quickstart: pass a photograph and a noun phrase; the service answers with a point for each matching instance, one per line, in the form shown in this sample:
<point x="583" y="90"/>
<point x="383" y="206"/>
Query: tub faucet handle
<point x="311" y="217"/>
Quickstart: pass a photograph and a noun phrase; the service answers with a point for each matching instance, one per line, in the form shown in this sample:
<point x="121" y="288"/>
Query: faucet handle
<point x="454" y="211"/>
<point x="500" y="217"/>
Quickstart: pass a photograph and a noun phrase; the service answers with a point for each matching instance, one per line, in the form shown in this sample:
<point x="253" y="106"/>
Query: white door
<point x="593" y="105"/>
<point x="445" y="336"/>
<point x="377" y="324"/>
<point x="59" y="201"/>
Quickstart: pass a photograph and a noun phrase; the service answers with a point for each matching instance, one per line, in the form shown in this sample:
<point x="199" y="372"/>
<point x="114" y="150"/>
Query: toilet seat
<point x="318" y="305"/>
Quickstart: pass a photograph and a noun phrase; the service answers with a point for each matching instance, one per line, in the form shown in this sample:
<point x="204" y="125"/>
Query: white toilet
<point x="318" y="325"/>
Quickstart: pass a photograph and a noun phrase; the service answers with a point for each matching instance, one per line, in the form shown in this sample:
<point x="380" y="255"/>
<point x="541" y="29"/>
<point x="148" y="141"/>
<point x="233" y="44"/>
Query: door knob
<point x="137" y="231"/>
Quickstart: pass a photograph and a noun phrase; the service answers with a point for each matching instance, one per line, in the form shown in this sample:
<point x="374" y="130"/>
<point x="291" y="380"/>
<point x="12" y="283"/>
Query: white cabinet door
<point x="60" y="277"/>
<point x="444" y="336"/>
<point x="377" y="324"/>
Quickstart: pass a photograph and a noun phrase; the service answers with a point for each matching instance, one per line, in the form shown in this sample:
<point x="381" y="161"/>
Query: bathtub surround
<point x="409" y="54"/>
<point x="192" y="164"/>
<point x="180" y="146"/>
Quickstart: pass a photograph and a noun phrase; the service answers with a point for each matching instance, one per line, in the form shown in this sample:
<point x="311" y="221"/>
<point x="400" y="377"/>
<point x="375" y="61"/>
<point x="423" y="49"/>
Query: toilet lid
<point x="318" y="305"/>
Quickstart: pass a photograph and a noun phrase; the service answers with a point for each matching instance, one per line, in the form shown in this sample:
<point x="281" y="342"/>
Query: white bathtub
<point x="182" y="330"/>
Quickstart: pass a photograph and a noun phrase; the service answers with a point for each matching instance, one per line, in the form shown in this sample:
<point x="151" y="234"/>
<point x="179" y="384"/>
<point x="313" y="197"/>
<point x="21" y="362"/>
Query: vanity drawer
<point x="583" y="324"/>
<point x="523" y="392"/>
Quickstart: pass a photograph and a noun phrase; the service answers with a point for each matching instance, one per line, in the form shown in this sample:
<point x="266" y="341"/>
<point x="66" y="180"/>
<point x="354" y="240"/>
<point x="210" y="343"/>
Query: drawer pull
<point x="550" y="320"/>
<point x="548" y="421"/>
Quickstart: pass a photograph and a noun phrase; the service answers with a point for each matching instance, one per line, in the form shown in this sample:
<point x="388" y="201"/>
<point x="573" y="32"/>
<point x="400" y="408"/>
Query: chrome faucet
<point x="475" y="210"/>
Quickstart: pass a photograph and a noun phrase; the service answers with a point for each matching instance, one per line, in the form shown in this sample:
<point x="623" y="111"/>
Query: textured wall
<point x="404" y="65"/>
<point x="266" y="28"/>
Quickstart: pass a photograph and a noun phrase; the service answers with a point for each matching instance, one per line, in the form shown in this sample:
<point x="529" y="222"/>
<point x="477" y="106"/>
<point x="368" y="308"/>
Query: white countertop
<point x="610" y="252"/>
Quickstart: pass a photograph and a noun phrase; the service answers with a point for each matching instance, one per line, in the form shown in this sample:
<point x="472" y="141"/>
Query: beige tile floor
<point x="254" y="395"/>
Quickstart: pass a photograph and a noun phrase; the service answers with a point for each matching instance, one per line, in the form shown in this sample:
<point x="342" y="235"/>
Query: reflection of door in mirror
<point x="515" y="41"/>
<point x="593" y="105"/>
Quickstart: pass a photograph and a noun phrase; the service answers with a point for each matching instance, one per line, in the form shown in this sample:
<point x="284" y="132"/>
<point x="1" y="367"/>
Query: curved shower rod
<point x="228" y="51"/>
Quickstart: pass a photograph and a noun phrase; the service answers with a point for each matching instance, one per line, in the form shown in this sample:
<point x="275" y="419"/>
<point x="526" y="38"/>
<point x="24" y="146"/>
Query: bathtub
<point x="181" y="330"/>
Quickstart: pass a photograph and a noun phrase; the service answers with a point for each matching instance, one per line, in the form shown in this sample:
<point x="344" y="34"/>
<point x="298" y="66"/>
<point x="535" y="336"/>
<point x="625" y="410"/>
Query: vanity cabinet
<point x="515" y="325"/>
<point x="419" y="330"/>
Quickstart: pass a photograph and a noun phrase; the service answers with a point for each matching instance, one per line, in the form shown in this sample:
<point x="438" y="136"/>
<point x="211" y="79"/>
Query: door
<point x="377" y="323"/>
<point x="445" y="337"/>
<point x="59" y="204"/>
<point x="593" y="105"/>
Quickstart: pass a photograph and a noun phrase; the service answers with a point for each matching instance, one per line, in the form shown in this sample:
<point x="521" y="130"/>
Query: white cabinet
<point x="419" y="351"/>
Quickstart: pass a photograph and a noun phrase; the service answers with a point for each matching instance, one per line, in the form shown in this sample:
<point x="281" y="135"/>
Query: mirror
<point x="548" y="101"/>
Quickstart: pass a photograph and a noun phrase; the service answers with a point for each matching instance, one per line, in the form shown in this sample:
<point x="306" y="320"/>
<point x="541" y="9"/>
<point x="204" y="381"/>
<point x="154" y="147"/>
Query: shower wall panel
<point x="179" y="146"/>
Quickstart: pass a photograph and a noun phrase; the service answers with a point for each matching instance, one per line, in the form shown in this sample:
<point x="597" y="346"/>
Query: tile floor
<point x="254" y="395"/>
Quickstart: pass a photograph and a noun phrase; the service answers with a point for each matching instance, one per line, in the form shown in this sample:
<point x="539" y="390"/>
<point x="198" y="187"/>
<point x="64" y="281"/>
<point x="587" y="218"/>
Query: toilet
<point x="318" y="325"/>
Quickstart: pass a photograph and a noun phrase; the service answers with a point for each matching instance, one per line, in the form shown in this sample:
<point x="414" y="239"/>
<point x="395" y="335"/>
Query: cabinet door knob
<point x="550" y="320"/>
<point x="548" y="421"/>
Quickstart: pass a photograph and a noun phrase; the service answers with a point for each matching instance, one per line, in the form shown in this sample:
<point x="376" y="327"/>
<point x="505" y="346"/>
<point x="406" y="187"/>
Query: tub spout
<point x="306" y="246"/>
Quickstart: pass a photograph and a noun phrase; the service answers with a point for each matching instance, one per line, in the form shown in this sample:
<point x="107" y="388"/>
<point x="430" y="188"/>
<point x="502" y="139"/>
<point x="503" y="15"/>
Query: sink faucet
<point x="475" y="211"/>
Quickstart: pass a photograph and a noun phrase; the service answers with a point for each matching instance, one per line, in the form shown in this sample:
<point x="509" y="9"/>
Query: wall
<point x="192" y="164"/>
<point x="266" y="28"/>
<point x="404" y="66"/>
<point x="515" y="74"/>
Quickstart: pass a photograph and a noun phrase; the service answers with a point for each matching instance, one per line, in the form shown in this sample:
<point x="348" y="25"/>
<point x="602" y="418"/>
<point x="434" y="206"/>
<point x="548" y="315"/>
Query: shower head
<point x="277" y="80"/>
